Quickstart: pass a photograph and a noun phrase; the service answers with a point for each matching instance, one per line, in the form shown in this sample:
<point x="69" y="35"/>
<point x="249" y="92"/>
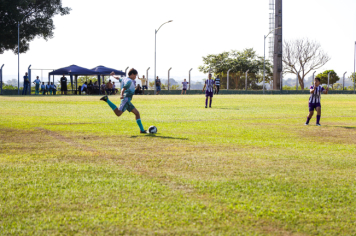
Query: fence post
<point x="228" y="79"/>
<point x="246" y="80"/>
<point x="189" y="77"/>
<point x="1" y="81"/>
<point x="168" y="76"/>
<point x="29" y="77"/>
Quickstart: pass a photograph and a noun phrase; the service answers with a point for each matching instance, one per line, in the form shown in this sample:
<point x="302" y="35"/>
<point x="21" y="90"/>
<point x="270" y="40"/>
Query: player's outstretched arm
<point x="204" y="87"/>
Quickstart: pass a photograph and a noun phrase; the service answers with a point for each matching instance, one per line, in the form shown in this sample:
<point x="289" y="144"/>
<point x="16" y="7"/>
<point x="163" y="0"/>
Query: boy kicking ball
<point x="209" y="92"/>
<point x="314" y="101"/>
<point x="128" y="90"/>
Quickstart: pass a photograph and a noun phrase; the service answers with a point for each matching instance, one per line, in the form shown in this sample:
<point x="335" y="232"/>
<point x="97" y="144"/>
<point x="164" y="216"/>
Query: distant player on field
<point x="217" y="85"/>
<point x="185" y="86"/>
<point x="314" y="100"/>
<point x="209" y="92"/>
<point x="128" y="90"/>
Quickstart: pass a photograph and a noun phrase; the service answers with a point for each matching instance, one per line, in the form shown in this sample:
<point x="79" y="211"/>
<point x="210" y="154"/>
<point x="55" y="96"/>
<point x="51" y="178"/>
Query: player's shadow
<point x="346" y="127"/>
<point x="226" y="108"/>
<point x="161" y="137"/>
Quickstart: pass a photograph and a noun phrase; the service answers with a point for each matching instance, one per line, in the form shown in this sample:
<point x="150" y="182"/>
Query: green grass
<point x="247" y="166"/>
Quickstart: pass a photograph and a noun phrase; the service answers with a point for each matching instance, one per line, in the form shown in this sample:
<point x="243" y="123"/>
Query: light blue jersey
<point x="129" y="86"/>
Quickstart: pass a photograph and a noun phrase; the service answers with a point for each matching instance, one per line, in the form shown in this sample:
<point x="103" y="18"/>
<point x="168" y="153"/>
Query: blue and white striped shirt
<point x="315" y="97"/>
<point x="209" y="85"/>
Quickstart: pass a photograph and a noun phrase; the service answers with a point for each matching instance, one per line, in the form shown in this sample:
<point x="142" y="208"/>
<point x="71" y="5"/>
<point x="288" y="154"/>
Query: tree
<point x="324" y="77"/>
<point x="239" y="62"/>
<point x="302" y="56"/>
<point x="39" y="24"/>
<point x="353" y="77"/>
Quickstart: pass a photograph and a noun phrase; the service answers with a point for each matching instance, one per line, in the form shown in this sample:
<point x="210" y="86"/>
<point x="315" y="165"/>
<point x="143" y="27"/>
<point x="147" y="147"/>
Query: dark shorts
<point x="144" y="87"/>
<point x="184" y="89"/>
<point x="158" y="88"/>
<point x="209" y="94"/>
<point x="64" y="88"/>
<point x="313" y="106"/>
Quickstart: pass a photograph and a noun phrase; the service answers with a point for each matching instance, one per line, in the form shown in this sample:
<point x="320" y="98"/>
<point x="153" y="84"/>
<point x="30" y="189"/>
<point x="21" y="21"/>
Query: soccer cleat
<point x="306" y="124"/>
<point x="105" y="98"/>
<point x="318" y="124"/>
<point x="206" y="107"/>
<point x="210" y="107"/>
<point x="143" y="132"/>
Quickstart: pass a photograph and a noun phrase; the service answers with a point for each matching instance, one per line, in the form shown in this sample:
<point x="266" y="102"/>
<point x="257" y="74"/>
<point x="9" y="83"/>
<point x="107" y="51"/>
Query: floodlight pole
<point x="264" y="56"/>
<point x="313" y="77"/>
<point x="246" y="80"/>
<point x="168" y="76"/>
<point x="281" y="81"/>
<point x="1" y="80"/>
<point x="329" y="78"/>
<point x="354" y="69"/>
<point x="18" y="52"/>
<point x="189" y="77"/>
<point x="343" y="81"/>
<point x="227" y="85"/>
<point x="156" y="31"/>
<point x="147" y="77"/>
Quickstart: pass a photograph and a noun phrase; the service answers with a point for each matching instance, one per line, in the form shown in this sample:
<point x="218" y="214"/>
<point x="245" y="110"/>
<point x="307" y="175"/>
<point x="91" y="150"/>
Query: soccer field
<point x="246" y="166"/>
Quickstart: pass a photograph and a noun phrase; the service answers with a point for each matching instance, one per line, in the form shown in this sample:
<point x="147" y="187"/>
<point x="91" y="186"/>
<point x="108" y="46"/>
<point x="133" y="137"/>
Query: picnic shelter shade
<point x="102" y="70"/>
<point x="74" y="70"/>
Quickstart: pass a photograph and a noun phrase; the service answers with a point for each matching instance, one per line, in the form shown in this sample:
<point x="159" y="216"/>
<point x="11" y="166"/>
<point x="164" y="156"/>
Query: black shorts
<point x="64" y="88"/>
<point x="184" y="89"/>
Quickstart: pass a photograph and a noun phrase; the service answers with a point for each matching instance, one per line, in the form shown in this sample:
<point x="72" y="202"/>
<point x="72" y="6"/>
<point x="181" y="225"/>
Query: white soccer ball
<point x="152" y="130"/>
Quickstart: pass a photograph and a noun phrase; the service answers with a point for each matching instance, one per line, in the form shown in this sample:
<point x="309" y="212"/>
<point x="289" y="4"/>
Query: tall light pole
<point x="1" y="80"/>
<point x="246" y="80"/>
<point x="18" y="51"/>
<point x="147" y="77"/>
<point x="156" y="31"/>
<point x="168" y="76"/>
<point x="264" y="56"/>
<point x="355" y="69"/>
<point x="189" y="76"/>
<point x="343" y="81"/>
<point x="227" y="82"/>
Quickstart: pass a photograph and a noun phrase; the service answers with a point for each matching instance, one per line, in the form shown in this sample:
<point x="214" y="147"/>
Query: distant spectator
<point x="109" y="88"/>
<point x="114" y="88"/>
<point x="51" y="88"/>
<point x="43" y="88"/>
<point x="54" y="89"/>
<point x="26" y="84"/>
<point x="84" y="87"/>
<point x="185" y="86"/>
<point x="144" y="83"/>
<point x="64" y="85"/>
<point x="103" y="87"/>
<point x="138" y="90"/>
<point x="158" y="85"/>
<point x="217" y="85"/>
<point x="90" y="87"/>
<point x="37" y="83"/>
<point x="48" y="88"/>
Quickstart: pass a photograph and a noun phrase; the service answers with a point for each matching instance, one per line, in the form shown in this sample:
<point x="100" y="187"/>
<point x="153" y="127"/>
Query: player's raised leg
<point x="112" y="105"/>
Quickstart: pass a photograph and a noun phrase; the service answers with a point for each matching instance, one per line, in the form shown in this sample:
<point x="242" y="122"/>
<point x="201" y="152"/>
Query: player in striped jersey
<point x="209" y="92"/>
<point x="314" y="101"/>
<point x="217" y="85"/>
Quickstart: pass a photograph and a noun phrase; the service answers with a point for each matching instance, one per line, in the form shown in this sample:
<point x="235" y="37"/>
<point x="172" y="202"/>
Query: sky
<point x="119" y="34"/>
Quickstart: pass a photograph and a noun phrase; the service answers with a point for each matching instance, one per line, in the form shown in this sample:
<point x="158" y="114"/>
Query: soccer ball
<point x="152" y="130"/>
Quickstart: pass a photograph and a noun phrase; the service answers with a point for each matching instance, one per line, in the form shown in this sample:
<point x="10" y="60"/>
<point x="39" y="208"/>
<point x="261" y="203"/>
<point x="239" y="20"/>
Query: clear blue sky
<point x="121" y="33"/>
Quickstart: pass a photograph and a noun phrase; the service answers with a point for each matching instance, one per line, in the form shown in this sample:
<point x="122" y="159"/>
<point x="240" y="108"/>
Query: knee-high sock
<point x="206" y="102"/>
<point x="318" y="119"/>
<point x="112" y="105"/>
<point x="140" y="124"/>
<point x="308" y="119"/>
<point x="210" y="102"/>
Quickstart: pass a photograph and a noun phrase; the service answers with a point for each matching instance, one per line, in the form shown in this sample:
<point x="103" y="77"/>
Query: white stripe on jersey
<point x="315" y="97"/>
<point x="210" y="85"/>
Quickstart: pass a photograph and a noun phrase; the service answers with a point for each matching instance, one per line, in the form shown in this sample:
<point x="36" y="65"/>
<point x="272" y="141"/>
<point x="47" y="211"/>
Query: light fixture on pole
<point x="189" y="77"/>
<point x="227" y="81"/>
<point x="168" y="76"/>
<point x="343" y="81"/>
<point x="264" y="56"/>
<point x="246" y="80"/>
<point x="18" y="52"/>
<point x="156" y="31"/>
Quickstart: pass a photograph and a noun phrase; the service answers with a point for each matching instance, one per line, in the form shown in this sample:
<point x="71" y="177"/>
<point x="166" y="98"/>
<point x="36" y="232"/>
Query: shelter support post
<point x="29" y="77"/>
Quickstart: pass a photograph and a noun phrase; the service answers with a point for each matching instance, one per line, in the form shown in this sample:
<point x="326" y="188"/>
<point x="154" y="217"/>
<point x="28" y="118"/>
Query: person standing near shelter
<point x="185" y="86"/>
<point x="37" y="83"/>
<point x="209" y="92"/>
<point x="144" y="83"/>
<point x="109" y="89"/>
<point x="64" y="85"/>
<point x="26" y="83"/>
<point x="217" y="85"/>
<point x="158" y="85"/>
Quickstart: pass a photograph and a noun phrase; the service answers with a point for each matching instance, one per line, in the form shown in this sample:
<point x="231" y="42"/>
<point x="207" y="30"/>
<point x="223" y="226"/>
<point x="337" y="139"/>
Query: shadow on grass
<point x="346" y="127"/>
<point x="226" y="108"/>
<point x="162" y="137"/>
